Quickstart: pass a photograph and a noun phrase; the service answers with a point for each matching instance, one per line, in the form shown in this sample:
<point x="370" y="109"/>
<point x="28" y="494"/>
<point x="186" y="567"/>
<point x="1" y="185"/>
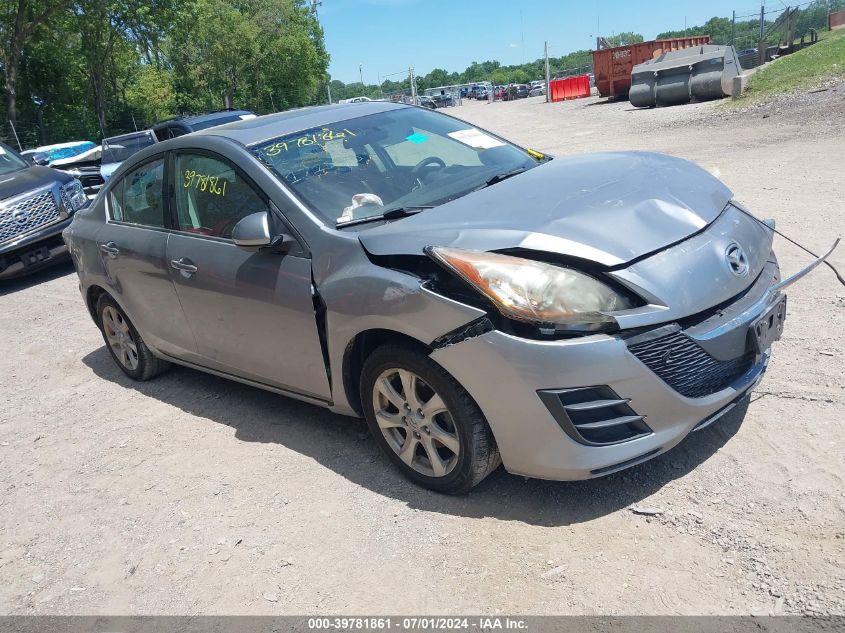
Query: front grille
<point x="595" y="416"/>
<point x="28" y="215"/>
<point x="683" y="365"/>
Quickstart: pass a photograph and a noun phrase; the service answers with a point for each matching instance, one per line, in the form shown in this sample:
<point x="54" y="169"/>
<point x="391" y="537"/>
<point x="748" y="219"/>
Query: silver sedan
<point x="478" y="303"/>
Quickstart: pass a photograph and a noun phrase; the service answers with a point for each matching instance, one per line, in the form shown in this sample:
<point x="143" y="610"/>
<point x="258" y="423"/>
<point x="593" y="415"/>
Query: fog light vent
<point x="596" y="416"/>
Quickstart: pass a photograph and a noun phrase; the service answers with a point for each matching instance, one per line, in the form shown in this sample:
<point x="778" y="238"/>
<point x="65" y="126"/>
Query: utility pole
<point x="329" y="90"/>
<point x="361" y="73"/>
<point x="761" y="44"/>
<point x="548" y="88"/>
<point x="733" y="28"/>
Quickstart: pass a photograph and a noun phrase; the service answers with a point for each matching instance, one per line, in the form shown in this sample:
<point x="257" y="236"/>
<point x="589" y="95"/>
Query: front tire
<point x="125" y="344"/>
<point x="426" y="423"/>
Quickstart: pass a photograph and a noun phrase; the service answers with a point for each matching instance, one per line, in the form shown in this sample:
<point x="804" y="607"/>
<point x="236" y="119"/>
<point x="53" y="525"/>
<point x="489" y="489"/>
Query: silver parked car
<point x="476" y="302"/>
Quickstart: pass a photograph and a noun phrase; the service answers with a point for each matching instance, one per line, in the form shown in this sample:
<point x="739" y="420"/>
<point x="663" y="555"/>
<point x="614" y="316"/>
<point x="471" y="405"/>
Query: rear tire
<point x="426" y="423"/>
<point x="125" y="345"/>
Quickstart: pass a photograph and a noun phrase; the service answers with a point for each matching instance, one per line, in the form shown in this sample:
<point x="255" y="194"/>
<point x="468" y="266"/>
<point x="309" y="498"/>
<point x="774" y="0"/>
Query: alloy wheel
<point x="416" y="422"/>
<point x="119" y="338"/>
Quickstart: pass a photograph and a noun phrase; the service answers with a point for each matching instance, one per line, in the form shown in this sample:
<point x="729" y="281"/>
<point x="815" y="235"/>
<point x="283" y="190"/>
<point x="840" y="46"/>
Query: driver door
<point x="251" y="313"/>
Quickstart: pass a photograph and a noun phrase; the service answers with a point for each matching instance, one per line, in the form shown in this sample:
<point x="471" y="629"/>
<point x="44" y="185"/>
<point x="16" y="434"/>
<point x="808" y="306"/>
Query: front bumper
<point x="533" y="439"/>
<point x="35" y="251"/>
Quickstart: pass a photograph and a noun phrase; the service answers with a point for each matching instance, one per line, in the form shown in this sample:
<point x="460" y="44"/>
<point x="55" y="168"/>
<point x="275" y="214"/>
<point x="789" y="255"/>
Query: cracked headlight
<point x="73" y="196"/>
<point x="526" y="290"/>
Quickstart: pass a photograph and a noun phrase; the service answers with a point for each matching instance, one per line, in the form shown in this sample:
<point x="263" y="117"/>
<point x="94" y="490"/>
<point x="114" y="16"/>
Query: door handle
<point x="110" y="249"/>
<point x="184" y="266"/>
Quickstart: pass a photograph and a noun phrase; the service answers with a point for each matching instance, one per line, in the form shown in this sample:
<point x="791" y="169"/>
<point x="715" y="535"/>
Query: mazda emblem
<point x="737" y="261"/>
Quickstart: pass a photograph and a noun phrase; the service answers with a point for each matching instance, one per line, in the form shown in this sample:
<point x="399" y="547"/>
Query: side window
<point x="211" y="196"/>
<point x="143" y="202"/>
<point x="116" y="201"/>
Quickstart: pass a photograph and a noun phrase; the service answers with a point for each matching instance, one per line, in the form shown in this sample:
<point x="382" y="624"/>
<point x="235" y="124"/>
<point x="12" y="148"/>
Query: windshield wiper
<point x="390" y="214"/>
<point x="500" y="177"/>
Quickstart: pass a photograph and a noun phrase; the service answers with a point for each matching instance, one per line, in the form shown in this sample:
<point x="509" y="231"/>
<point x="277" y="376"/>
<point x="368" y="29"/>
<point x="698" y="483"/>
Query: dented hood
<point x="609" y="208"/>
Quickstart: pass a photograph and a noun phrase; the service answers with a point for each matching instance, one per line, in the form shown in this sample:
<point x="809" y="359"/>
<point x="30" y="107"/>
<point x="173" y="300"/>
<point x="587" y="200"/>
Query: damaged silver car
<point x="476" y="302"/>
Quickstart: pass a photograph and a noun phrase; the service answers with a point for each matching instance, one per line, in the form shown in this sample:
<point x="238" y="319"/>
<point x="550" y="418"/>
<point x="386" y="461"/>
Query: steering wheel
<point x="425" y="162"/>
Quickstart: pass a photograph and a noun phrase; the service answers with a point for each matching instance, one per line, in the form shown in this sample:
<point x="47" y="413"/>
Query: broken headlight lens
<point x="525" y="290"/>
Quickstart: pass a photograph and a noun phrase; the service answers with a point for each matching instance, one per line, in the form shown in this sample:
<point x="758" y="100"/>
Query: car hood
<point x="609" y="208"/>
<point x="29" y="179"/>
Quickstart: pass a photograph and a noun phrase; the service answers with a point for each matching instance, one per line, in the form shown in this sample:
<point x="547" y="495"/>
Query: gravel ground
<point x="191" y="494"/>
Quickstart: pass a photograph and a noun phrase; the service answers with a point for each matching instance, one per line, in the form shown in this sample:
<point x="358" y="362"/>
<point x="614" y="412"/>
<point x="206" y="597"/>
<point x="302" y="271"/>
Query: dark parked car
<point x="428" y="102"/>
<point x="186" y="124"/>
<point x="522" y="91"/>
<point x="36" y="204"/>
<point x="117" y="149"/>
<point x="476" y="302"/>
<point x="443" y="100"/>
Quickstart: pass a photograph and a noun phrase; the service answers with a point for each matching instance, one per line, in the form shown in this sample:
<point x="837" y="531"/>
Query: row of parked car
<point x="41" y="188"/>
<point x="517" y="91"/>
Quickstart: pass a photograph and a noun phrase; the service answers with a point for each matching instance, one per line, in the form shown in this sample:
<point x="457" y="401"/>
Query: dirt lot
<point x="191" y="494"/>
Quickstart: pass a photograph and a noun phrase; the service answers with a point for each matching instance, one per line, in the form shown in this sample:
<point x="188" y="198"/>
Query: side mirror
<point x="40" y="158"/>
<point x="253" y="232"/>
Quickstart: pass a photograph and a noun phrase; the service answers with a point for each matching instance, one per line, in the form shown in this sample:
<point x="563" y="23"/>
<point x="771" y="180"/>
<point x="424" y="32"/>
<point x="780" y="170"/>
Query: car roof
<point x="270" y="126"/>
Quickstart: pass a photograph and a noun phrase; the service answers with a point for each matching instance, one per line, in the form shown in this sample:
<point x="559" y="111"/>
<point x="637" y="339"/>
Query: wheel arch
<point x="359" y="348"/>
<point x="92" y="296"/>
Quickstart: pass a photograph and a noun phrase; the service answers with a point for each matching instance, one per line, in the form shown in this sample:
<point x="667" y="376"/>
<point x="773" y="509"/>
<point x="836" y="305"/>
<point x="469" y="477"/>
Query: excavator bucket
<point x="699" y="73"/>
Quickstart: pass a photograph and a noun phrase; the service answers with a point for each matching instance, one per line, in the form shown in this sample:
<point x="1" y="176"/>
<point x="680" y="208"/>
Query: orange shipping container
<point x="612" y="66"/>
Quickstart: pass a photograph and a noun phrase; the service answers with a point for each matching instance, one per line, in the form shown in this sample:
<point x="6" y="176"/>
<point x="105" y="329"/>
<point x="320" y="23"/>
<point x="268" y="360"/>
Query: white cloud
<point x="512" y="45"/>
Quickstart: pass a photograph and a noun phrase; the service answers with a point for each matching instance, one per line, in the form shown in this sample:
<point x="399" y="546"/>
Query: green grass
<point x="803" y="70"/>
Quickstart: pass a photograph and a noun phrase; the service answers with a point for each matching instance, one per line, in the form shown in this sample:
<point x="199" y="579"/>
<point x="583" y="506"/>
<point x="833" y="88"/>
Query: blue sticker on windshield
<point x="417" y="138"/>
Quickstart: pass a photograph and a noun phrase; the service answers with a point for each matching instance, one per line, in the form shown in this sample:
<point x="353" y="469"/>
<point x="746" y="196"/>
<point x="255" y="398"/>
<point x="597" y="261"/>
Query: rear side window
<point x="137" y="198"/>
<point x="212" y="196"/>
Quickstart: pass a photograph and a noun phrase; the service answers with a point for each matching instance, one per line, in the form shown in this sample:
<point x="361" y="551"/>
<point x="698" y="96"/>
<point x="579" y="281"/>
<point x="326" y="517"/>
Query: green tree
<point x="258" y="54"/>
<point x="114" y="34"/>
<point x="24" y="20"/>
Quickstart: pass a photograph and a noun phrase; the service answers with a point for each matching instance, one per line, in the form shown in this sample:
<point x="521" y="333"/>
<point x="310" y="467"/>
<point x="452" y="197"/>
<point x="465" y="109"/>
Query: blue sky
<point x="387" y="36"/>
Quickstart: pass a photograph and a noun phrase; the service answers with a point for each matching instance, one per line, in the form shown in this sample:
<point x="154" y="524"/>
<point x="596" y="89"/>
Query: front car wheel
<point x="425" y="422"/>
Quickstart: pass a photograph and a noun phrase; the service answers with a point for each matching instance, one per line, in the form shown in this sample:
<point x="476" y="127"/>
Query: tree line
<point x="78" y="69"/>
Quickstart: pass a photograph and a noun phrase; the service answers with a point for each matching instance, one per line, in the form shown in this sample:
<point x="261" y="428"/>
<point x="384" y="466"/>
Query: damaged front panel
<point x="362" y="298"/>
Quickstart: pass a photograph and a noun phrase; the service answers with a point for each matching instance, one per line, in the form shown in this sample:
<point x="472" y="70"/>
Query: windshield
<point x="9" y="161"/>
<point x="118" y="149"/>
<point x="408" y="158"/>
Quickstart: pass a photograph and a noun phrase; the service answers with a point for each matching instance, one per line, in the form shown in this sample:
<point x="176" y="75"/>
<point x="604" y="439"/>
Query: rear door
<point x="252" y="313"/>
<point x="133" y="247"/>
